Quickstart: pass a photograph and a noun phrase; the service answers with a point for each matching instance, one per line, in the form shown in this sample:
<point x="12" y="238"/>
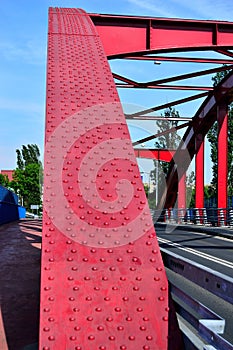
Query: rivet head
<point x="131" y="337"/>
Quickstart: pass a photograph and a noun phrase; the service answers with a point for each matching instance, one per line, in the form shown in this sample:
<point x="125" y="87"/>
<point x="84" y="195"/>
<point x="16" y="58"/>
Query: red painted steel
<point x="160" y="35"/>
<point x="182" y="192"/>
<point x="202" y="121"/>
<point x="158" y="58"/>
<point x="159" y="154"/>
<point x="199" y="171"/>
<point x="103" y="283"/>
<point x="165" y="156"/>
<point x="222" y="118"/>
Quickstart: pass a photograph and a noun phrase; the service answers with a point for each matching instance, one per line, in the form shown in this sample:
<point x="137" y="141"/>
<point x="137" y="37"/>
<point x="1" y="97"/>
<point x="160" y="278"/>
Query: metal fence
<point x="198" y="216"/>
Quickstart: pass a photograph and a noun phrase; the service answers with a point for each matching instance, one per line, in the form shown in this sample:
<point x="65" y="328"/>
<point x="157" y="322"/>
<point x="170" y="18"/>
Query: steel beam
<point x="159" y="35"/>
<point x="199" y="171"/>
<point x="148" y="138"/>
<point x="182" y="192"/>
<point x="202" y="121"/>
<point x="164" y="155"/>
<point x="103" y="283"/>
<point x="156" y="59"/>
<point x="222" y="118"/>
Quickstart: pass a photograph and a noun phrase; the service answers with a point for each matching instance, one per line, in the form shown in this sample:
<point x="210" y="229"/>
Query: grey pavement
<point x="224" y="231"/>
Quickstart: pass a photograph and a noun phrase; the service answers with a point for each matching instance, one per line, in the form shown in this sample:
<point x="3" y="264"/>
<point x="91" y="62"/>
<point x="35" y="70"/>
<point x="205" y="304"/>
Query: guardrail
<point x="199" y="216"/>
<point x="204" y="326"/>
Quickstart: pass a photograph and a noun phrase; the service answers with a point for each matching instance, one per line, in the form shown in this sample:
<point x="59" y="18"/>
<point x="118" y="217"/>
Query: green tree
<point x="212" y="137"/>
<point x="190" y="189"/>
<point x="27" y="178"/>
<point x="4" y="181"/>
<point x="168" y="141"/>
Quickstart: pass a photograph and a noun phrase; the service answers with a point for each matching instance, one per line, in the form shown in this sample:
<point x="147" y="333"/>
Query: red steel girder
<point x="166" y="105"/>
<point x="160" y="34"/>
<point x="103" y="283"/>
<point x="222" y="119"/>
<point x="190" y="75"/>
<point x="158" y="82"/>
<point x="148" y="138"/>
<point x="164" y="155"/>
<point x="199" y="171"/>
<point x="179" y="59"/>
<point x="156" y="117"/>
<point x="168" y="87"/>
<point x="225" y="52"/>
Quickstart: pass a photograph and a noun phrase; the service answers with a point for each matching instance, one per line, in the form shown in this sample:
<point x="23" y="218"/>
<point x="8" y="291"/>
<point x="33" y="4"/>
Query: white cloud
<point x="21" y="106"/>
<point x="198" y="9"/>
<point x="207" y="9"/>
<point x="30" y="52"/>
<point x="157" y="9"/>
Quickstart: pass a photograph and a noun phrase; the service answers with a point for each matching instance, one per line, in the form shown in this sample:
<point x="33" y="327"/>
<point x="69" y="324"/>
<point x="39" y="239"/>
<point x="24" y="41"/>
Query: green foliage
<point x="4" y="181"/>
<point x="146" y="189"/>
<point x="212" y="137"/>
<point x="168" y="141"/>
<point x="27" y="178"/>
<point x="190" y="190"/>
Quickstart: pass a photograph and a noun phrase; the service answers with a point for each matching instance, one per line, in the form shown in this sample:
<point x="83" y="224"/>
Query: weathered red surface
<point x="103" y="280"/>
<point x="20" y="250"/>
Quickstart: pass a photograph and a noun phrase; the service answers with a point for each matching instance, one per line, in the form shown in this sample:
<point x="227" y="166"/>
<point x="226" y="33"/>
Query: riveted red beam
<point x="159" y="34"/>
<point x="103" y="283"/>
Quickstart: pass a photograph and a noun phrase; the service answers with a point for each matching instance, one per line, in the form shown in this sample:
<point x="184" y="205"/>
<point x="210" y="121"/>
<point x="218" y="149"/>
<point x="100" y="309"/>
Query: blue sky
<point x="23" y="44"/>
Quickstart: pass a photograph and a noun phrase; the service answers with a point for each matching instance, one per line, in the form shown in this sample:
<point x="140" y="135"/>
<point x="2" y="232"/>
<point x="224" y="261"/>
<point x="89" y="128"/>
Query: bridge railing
<point x="200" y="216"/>
<point x="199" y="324"/>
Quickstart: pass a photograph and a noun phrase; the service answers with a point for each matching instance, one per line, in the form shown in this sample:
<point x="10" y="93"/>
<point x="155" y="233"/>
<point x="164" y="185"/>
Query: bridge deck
<point x="20" y="244"/>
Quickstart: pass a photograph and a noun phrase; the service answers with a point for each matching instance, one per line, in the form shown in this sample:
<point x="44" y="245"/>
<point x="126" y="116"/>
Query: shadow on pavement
<point x="20" y="255"/>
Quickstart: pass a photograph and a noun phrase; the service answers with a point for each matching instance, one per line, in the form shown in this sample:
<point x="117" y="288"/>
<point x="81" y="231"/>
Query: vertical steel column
<point x="199" y="168"/>
<point x="103" y="283"/>
<point x="182" y="192"/>
<point x="222" y="118"/>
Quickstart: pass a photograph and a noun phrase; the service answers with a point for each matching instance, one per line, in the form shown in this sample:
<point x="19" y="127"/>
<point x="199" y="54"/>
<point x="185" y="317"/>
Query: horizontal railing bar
<point x="213" y="281"/>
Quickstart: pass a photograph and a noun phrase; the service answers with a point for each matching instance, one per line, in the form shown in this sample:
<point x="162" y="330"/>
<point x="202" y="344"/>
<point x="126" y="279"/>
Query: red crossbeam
<point x="160" y="35"/>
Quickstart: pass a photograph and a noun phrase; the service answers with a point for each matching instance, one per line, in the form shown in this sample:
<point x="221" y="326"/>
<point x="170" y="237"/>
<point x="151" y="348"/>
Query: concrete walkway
<point x="20" y="255"/>
<point x="20" y="252"/>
